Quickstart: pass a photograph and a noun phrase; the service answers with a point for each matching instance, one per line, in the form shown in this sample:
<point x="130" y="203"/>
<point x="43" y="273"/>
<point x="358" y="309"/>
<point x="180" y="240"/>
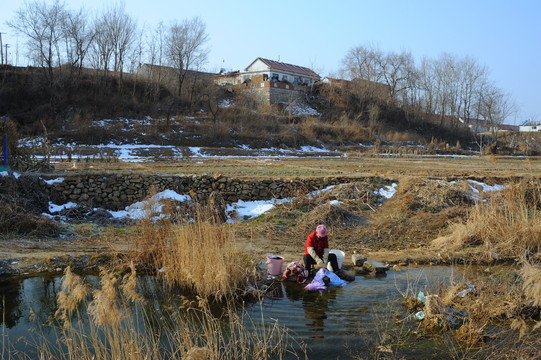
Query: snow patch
<point x="53" y="208"/>
<point x="387" y="191"/>
<point x="143" y="209"/>
<point x="54" y="181"/>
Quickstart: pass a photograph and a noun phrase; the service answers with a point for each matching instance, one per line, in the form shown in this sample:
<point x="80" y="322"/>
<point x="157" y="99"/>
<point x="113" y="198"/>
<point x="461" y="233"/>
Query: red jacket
<point x="317" y="243"/>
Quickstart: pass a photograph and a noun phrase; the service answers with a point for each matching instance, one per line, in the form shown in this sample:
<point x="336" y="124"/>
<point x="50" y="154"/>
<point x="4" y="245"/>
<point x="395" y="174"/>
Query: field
<point x="283" y="231"/>
<point x="353" y="165"/>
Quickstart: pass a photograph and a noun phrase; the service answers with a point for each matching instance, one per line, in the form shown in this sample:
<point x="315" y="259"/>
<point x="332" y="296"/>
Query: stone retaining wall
<point x="115" y="192"/>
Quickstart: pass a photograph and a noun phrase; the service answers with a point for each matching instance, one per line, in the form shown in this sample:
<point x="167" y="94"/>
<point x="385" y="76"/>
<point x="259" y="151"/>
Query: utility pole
<point x="6" y="45"/>
<point x="1" y="49"/>
<point x="5" y="145"/>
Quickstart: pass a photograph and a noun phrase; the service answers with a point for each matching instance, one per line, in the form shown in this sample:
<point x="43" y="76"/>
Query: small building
<point x="271" y="82"/>
<point x="530" y="127"/>
<point x="269" y="70"/>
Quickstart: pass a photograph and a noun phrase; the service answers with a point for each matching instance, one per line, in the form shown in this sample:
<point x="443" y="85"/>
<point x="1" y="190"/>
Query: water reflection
<point x="11" y="301"/>
<point x="315" y="306"/>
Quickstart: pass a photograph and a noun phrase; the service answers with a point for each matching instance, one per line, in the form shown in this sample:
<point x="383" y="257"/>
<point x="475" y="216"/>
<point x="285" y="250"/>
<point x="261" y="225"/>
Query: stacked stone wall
<point x="115" y="192"/>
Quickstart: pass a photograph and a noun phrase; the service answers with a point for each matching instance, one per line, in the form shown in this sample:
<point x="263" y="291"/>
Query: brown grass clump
<point x="200" y="255"/>
<point x="128" y="286"/>
<point x="332" y="216"/>
<point x="433" y="195"/>
<point x="470" y="334"/>
<point x="507" y="225"/>
<point x="73" y="293"/>
<point x="361" y="193"/>
<point x="22" y="201"/>
<point x="104" y="307"/>
<point x="531" y="285"/>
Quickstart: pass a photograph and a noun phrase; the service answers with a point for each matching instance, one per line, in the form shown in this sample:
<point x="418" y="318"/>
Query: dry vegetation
<point x="197" y="253"/>
<point x="119" y="327"/>
<point x="504" y="225"/>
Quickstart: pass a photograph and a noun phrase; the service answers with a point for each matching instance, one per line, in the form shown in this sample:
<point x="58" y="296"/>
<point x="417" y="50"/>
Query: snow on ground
<point x="315" y="193"/>
<point x="244" y="210"/>
<point x="143" y="209"/>
<point x="388" y="191"/>
<point x="54" y="181"/>
<point x="16" y="175"/>
<point x="32" y="141"/>
<point x="485" y="187"/>
<point x="313" y="149"/>
<point x="53" y="208"/>
<point x="301" y="109"/>
<point x="196" y="151"/>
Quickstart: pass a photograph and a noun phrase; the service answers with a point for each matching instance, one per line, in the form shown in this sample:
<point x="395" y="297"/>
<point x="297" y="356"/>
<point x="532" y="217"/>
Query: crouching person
<point x="316" y="252"/>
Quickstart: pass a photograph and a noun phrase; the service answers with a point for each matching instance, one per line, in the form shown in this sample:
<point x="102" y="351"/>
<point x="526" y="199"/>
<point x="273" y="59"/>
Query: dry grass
<point x="195" y="251"/>
<point x="507" y="297"/>
<point x="532" y="282"/>
<point x="73" y="293"/>
<point x="119" y="331"/>
<point x="506" y="225"/>
<point x="200" y="255"/>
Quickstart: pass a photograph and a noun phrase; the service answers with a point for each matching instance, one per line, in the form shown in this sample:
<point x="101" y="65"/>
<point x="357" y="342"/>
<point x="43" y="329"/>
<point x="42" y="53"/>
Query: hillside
<point x="75" y="102"/>
<point x="77" y="107"/>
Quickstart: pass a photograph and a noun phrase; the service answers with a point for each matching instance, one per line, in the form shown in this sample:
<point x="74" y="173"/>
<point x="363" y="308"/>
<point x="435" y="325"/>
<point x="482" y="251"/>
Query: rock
<point x="375" y="266"/>
<point x="358" y="259"/>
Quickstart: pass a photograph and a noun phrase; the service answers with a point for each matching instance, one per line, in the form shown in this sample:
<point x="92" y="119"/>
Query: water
<point x="350" y="320"/>
<point x="336" y="323"/>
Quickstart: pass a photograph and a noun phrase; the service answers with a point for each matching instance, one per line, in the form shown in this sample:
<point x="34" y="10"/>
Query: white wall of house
<point x="259" y="68"/>
<point x="529" y="128"/>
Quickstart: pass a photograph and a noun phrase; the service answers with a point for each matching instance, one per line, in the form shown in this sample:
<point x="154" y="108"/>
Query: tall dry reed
<point x="118" y="331"/>
<point x="507" y="224"/>
<point x="200" y="255"/>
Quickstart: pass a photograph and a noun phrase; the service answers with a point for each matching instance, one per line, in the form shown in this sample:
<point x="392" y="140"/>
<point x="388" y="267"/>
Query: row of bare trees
<point x="454" y="88"/>
<point x="110" y="41"/>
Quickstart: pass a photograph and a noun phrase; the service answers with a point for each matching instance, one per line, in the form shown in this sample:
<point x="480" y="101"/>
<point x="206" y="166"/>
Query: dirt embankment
<point x="392" y="219"/>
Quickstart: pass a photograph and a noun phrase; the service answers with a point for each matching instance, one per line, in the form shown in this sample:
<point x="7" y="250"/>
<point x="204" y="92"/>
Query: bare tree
<point x="115" y="34"/>
<point x="495" y="107"/>
<point x="102" y="45"/>
<point x="79" y="33"/>
<point x="185" y="49"/>
<point x="122" y="29"/>
<point x="396" y="72"/>
<point x="40" y="23"/>
<point x="473" y="78"/>
<point x="364" y="62"/>
<point x="156" y="46"/>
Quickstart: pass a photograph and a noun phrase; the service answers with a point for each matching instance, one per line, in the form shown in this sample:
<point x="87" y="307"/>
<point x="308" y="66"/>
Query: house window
<point x="274" y="77"/>
<point x="275" y="85"/>
<point x="287" y="86"/>
<point x="262" y="85"/>
<point x="284" y="77"/>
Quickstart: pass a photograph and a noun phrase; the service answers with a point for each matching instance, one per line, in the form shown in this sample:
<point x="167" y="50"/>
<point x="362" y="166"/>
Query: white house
<point x="269" y="70"/>
<point x="530" y="128"/>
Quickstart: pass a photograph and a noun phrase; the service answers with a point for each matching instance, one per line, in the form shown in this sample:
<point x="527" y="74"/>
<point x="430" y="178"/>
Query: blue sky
<point x="503" y="35"/>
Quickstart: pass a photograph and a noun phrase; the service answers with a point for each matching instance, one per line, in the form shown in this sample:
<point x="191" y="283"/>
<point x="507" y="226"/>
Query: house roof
<point x="280" y="66"/>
